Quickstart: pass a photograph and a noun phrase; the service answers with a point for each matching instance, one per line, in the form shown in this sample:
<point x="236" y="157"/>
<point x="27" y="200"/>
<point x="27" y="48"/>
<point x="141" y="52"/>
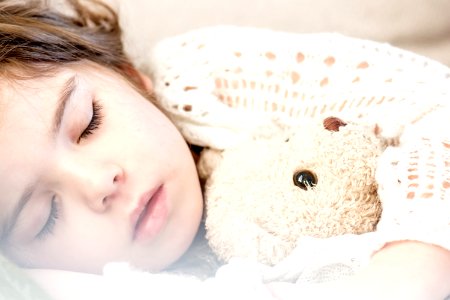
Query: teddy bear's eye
<point x="305" y="179"/>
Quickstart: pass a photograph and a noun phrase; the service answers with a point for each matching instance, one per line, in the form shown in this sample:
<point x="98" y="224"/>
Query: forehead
<point x="26" y="108"/>
<point x="24" y="96"/>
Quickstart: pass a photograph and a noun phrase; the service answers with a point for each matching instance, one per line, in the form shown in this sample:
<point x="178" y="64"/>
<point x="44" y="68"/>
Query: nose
<point x="94" y="182"/>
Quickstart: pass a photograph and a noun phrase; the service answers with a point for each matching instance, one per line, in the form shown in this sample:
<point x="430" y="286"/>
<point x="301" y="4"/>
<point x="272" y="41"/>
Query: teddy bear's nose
<point x="305" y="179"/>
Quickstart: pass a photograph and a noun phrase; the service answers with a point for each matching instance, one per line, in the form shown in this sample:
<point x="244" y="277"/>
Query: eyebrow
<point x="64" y="96"/>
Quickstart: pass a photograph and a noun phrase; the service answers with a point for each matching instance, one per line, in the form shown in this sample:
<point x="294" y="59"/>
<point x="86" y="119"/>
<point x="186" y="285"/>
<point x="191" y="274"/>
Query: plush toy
<point x="267" y="193"/>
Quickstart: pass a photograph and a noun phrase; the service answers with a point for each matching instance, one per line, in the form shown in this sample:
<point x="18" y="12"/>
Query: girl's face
<point x="92" y="172"/>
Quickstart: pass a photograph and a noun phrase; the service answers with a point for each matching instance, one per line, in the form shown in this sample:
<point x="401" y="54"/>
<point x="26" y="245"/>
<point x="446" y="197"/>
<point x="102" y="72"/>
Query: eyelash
<point x="47" y="229"/>
<point x="95" y="122"/>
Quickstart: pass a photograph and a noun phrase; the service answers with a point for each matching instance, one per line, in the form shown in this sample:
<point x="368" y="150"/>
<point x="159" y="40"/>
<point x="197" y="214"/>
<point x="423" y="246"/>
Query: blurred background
<point x="422" y="26"/>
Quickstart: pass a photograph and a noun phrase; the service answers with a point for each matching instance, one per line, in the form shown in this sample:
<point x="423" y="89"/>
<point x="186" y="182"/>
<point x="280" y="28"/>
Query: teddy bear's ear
<point x="333" y="123"/>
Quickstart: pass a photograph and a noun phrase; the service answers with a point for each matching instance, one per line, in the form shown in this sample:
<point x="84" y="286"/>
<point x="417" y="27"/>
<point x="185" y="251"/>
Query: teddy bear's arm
<point x="220" y="81"/>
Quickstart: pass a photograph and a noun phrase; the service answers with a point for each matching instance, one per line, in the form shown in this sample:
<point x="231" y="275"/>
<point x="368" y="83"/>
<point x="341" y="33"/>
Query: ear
<point x="141" y="80"/>
<point x="146" y="81"/>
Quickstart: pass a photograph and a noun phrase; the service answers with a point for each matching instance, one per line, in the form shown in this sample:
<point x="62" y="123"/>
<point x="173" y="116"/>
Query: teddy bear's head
<point x="319" y="181"/>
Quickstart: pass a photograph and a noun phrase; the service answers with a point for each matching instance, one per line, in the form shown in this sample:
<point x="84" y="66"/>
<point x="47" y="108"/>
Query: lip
<point x="150" y="215"/>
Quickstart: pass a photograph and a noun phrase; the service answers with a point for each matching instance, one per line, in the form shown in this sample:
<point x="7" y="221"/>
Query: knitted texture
<point x="218" y="84"/>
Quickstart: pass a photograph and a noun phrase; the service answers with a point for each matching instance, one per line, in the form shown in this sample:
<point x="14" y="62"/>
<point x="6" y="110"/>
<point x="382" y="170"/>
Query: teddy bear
<point x="225" y="87"/>
<point x="263" y="195"/>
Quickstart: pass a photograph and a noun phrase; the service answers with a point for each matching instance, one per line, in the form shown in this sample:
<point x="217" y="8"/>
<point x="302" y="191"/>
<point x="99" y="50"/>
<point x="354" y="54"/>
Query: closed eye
<point x="94" y="123"/>
<point x="49" y="226"/>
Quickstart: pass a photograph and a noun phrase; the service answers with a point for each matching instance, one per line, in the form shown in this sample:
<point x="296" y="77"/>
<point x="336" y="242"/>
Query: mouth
<point x="150" y="215"/>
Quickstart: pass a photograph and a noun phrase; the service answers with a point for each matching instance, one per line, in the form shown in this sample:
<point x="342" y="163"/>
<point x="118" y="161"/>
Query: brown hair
<point x="35" y="38"/>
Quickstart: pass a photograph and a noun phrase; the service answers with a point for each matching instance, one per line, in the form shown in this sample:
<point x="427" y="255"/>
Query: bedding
<point x="16" y="285"/>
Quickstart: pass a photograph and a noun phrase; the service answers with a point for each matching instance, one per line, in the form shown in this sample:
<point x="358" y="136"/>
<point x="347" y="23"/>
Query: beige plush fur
<point x="254" y="209"/>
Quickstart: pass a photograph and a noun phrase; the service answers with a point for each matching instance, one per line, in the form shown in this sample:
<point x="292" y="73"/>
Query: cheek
<point x="81" y="242"/>
<point x="147" y="126"/>
<point x="139" y="117"/>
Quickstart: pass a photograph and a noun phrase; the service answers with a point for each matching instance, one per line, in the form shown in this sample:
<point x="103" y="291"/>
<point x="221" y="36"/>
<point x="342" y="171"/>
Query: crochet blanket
<point x="222" y="84"/>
